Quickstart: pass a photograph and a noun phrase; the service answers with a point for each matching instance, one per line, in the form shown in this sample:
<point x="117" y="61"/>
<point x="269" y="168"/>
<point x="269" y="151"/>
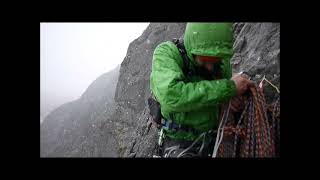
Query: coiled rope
<point x="254" y="134"/>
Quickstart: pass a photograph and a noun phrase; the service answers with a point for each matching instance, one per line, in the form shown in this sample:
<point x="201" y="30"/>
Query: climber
<point x="190" y="101"/>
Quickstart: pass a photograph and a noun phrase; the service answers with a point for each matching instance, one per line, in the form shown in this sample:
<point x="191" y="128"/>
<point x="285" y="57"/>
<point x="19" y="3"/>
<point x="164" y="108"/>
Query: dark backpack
<point x="153" y="104"/>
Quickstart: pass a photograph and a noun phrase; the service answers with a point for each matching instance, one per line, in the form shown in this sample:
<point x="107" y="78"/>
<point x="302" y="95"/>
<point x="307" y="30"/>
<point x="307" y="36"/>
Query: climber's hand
<point x="242" y="83"/>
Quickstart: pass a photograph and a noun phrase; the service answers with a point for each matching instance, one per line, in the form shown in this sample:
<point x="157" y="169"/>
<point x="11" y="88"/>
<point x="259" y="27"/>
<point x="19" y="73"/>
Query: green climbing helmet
<point x="209" y="39"/>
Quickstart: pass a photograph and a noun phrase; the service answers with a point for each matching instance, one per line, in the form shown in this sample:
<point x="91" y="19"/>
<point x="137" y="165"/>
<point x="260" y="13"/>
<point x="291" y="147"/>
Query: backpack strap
<point x="180" y="45"/>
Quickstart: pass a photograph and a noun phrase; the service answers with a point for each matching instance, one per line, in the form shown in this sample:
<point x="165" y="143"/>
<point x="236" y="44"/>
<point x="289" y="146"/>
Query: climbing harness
<point x="187" y="151"/>
<point x="203" y="135"/>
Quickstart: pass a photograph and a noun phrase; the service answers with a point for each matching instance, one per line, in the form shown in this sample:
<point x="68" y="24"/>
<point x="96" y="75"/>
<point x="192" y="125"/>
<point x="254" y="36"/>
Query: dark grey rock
<point x="79" y="128"/>
<point x="257" y="51"/>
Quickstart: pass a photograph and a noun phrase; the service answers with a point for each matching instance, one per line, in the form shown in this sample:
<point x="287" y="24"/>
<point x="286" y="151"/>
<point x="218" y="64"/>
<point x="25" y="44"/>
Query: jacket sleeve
<point x="175" y="95"/>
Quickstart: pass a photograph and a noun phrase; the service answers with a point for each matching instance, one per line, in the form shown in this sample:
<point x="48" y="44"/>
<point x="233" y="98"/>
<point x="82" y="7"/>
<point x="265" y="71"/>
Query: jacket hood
<point x="209" y="39"/>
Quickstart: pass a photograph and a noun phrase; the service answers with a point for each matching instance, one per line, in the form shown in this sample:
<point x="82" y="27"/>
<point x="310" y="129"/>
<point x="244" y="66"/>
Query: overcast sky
<point x="73" y="55"/>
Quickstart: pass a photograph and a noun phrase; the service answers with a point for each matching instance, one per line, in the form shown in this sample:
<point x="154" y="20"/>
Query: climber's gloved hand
<point x="242" y="83"/>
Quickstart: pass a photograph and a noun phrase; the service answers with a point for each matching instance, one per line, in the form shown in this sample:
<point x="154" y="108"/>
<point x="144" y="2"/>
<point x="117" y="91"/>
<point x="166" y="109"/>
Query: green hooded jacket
<point x="193" y="101"/>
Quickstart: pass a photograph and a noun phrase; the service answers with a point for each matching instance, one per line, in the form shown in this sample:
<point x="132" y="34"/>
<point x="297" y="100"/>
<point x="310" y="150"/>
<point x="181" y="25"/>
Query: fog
<point x="73" y="55"/>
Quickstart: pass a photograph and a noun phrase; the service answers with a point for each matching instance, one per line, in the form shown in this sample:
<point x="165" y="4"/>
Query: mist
<point x="73" y="55"/>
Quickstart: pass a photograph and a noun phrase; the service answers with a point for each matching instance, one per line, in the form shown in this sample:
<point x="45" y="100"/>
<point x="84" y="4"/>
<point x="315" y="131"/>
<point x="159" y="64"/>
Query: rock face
<point x="97" y="126"/>
<point x="77" y="128"/>
<point x="257" y="51"/>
